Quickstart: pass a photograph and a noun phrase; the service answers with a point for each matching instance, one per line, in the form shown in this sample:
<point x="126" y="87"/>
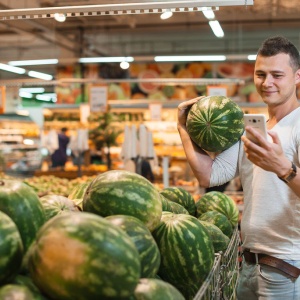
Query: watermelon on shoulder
<point x="215" y="123"/>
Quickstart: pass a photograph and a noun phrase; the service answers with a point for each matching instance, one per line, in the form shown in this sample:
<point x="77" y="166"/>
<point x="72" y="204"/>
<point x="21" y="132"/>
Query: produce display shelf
<point x="221" y="282"/>
<point x="211" y="288"/>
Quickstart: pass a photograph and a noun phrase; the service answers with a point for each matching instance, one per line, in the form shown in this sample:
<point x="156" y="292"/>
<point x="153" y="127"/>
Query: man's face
<point x="275" y="79"/>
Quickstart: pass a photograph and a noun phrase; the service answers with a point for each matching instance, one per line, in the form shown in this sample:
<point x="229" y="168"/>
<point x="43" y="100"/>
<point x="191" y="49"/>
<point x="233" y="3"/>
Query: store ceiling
<point x="186" y="33"/>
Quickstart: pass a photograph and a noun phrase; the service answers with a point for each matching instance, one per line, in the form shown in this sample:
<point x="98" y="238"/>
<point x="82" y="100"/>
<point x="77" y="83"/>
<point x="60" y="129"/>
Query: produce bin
<point x="230" y="267"/>
<point x="211" y="288"/>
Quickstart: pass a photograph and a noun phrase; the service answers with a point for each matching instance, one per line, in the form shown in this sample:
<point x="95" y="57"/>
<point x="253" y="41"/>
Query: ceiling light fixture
<point x="40" y="75"/>
<point x="25" y="95"/>
<point x="33" y="62"/>
<point x="216" y="28"/>
<point x="33" y="90"/>
<point x="117" y="59"/>
<point x="190" y="58"/>
<point x="59" y="17"/>
<point x="124" y="65"/>
<point x="208" y="12"/>
<point x="166" y="15"/>
<point x="251" y="57"/>
<point x="12" y="69"/>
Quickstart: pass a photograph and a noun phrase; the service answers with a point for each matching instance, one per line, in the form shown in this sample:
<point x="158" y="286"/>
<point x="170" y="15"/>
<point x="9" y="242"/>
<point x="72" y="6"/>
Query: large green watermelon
<point x="220" y="202"/>
<point x="218" y="219"/>
<point x="180" y="196"/>
<point x="219" y="239"/>
<point x="215" y="123"/>
<point x="55" y="204"/>
<point x="187" y="253"/>
<point x="11" y="249"/>
<point x="156" y="289"/>
<point x="22" y="204"/>
<point x="79" y="256"/>
<point x="143" y="240"/>
<point x="120" y="192"/>
<point x="77" y="193"/>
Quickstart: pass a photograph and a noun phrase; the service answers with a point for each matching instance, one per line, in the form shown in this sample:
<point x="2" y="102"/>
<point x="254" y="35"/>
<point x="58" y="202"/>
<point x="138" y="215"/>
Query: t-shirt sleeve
<point x="225" y="165"/>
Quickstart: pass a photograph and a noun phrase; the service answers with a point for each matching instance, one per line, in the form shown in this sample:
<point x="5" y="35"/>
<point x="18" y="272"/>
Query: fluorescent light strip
<point x="45" y="97"/>
<point x="36" y="90"/>
<point x="190" y="58"/>
<point x="33" y="62"/>
<point x="12" y="69"/>
<point x="40" y="75"/>
<point x="106" y="59"/>
<point x="216" y="28"/>
<point x="252" y="57"/>
<point x="25" y="95"/>
<point x="208" y="12"/>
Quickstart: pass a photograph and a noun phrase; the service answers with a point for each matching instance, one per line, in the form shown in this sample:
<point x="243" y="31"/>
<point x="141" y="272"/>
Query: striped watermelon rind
<point x="218" y="219"/>
<point x="141" y="236"/>
<point x="220" y="202"/>
<point x="77" y="193"/>
<point x="156" y="289"/>
<point x="171" y="206"/>
<point x="180" y="196"/>
<point x="11" y="249"/>
<point x="119" y="192"/>
<point x="219" y="239"/>
<point x="215" y="123"/>
<point x="187" y="253"/>
<point x="83" y="256"/>
<point x="15" y="291"/>
<point x="55" y="204"/>
<point x="22" y="204"/>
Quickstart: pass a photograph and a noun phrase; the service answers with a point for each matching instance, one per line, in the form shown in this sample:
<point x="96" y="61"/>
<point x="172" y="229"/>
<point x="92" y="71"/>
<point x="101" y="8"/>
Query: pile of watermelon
<point x="116" y="237"/>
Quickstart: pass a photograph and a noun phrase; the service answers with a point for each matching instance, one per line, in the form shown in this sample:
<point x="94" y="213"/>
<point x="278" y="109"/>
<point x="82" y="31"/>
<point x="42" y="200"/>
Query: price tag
<point x="98" y="98"/>
<point x="155" y="111"/>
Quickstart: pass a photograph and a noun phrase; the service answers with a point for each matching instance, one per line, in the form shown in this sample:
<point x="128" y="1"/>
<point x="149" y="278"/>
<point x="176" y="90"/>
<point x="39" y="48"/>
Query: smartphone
<point x="258" y="122"/>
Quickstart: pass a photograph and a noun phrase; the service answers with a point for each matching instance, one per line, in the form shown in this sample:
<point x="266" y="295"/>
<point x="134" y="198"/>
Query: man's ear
<point x="297" y="76"/>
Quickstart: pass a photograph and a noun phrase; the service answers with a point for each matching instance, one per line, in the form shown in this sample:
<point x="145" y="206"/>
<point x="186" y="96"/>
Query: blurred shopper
<point x="59" y="156"/>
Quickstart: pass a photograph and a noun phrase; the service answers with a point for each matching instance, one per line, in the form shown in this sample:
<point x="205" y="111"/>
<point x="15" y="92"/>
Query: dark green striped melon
<point x="26" y="281"/>
<point x="55" y="204"/>
<point x="180" y="196"/>
<point x="18" y="292"/>
<point x="141" y="236"/>
<point x="219" y="239"/>
<point x="220" y="202"/>
<point x="78" y="256"/>
<point x="156" y="289"/>
<point x="11" y="249"/>
<point x="77" y="193"/>
<point x="187" y="253"/>
<point x="120" y="192"/>
<point x="219" y="220"/>
<point x="171" y="206"/>
<point x="22" y="204"/>
<point x="215" y="123"/>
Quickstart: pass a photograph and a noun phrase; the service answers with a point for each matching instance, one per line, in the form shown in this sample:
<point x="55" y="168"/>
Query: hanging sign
<point x="155" y="111"/>
<point x="216" y="90"/>
<point x="98" y="98"/>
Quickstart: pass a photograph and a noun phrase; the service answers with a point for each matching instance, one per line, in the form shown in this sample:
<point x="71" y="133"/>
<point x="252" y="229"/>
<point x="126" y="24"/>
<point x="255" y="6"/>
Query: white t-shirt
<point x="271" y="216"/>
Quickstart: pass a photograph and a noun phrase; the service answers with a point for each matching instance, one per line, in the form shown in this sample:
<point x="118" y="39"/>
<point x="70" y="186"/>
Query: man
<point x="269" y="173"/>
